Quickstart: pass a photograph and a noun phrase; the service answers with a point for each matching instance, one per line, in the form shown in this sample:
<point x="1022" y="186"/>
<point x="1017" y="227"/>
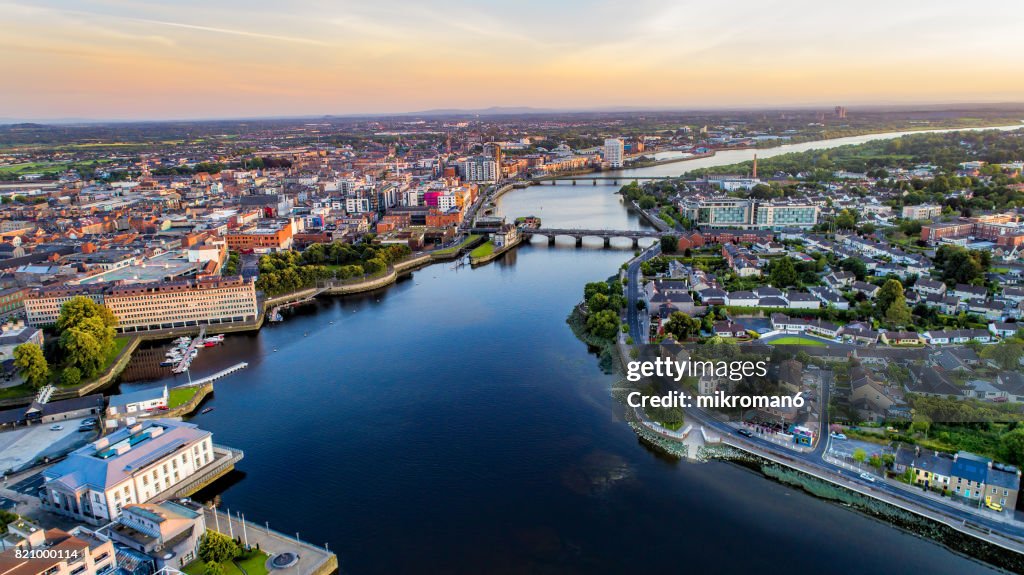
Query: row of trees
<point x="604" y="301"/>
<point x="284" y="272"/>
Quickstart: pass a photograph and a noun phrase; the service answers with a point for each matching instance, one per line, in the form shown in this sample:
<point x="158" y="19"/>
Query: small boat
<point x="168" y="363"/>
<point x="207" y="410"/>
<point x="209" y="343"/>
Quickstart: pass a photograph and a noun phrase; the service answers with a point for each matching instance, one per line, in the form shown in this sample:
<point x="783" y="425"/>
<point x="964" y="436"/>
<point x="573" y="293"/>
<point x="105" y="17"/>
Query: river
<point x="452" y="423"/>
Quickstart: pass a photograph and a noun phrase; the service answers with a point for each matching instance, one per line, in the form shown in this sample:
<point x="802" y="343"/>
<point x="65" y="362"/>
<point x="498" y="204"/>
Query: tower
<point x="754" y="173"/>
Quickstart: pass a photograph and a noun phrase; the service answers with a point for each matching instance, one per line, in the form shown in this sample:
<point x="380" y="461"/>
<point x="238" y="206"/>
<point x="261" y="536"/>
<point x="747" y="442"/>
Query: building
<point x="265" y="236"/>
<point x="614" y="152"/>
<point x="15" y="333"/>
<point x="136" y="464"/>
<point x="922" y="212"/>
<point x="749" y="213"/>
<point x="80" y="551"/>
<point x="970" y="477"/>
<point x="167" y="532"/>
<point x="137" y="403"/>
<point x="504" y="237"/>
<point x="478" y="169"/>
<point x="155" y="305"/>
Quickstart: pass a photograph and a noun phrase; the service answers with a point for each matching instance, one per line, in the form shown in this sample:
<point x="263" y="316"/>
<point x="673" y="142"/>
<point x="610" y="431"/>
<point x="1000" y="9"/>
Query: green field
<point x="797" y="340"/>
<point x="483" y="250"/>
<point x="180" y="396"/>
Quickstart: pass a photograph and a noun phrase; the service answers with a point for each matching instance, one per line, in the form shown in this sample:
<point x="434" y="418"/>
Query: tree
<point x="31" y="364"/>
<point x="669" y="244"/>
<point x="603" y="324"/>
<point x="855" y="266"/>
<point x="898" y="314"/>
<point x="859" y="455"/>
<point x="891" y="290"/>
<point x="783" y="273"/>
<point x="846" y="220"/>
<point x="79" y="308"/>
<point x="213" y="568"/>
<point x="682" y="325"/>
<point x="71" y="376"/>
<point x="217" y="548"/>
<point x="1012" y="444"/>
<point x="83" y="350"/>
<point x="1006" y="354"/>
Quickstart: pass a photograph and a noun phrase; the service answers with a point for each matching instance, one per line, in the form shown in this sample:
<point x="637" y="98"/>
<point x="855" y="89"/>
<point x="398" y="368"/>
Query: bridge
<point x="578" y="234"/>
<point x="594" y="180"/>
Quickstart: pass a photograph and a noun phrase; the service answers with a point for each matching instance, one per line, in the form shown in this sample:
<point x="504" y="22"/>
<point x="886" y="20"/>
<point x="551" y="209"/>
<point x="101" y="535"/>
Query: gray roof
<point x="98" y="466"/>
<point x="137" y="396"/>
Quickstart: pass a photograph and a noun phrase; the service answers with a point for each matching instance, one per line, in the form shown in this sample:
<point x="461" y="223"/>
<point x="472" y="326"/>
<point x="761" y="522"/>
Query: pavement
<point x="312" y="558"/>
<point x="21" y="446"/>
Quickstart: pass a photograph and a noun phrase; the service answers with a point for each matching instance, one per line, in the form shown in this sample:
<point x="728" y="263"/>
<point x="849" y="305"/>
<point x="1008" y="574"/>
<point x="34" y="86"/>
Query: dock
<point x="186" y="357"/>
<point x="216" y="376"/>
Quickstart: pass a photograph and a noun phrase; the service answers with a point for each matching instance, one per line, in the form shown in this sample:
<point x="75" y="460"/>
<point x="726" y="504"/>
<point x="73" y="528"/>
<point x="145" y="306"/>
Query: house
<point x="926" y="286"/>
<point x="966" y="292"/>
<point x="729" y="329"/>
<point x="901" y="338"/>
<point x="802" y="300"/>
<point x="823" y="328"/>
<point x="872" y="398"/>
<point x="1002" y="329"/>
<point x="869" y="290"/>
<point x="829" y="297"/>
<point x="839" y="280"/>
<point x="957" y="336"/>
<point x="930" y="381"/>
<point x="741" y="299"/>
<point x="712" y="296"/>
<point x="860" y="335"/>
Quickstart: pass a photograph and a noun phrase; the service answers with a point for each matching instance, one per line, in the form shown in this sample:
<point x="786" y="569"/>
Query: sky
<point x="192" y="59"/>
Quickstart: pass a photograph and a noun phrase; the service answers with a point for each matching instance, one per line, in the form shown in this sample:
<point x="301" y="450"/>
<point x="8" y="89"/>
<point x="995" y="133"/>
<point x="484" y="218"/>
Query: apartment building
<point x="921" y="212"/>
<point x="965" y="475"/>
<point x="614" y="152"/>
<point x="166" y="533"/>
<point x="136" y="464"/>
<point x="80" y="551"/>
<point x="749" y="213"/>
<point x="155" y="305"/>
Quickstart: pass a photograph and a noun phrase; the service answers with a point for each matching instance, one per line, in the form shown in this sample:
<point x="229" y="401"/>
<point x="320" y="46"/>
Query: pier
<point x="186" y="357"/>
<point x="216" y="376"/>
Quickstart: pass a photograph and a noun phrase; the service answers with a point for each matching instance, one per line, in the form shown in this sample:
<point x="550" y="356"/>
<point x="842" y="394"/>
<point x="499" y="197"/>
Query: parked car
<point x="867" y="477"/>
<point x="90" y="421"/>
<point x="56" y="427"/>
<point x="839" y="436"/>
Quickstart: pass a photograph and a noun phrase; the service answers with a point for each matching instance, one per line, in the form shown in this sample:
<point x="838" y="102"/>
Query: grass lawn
<point x="797" y="340"/>
<point x="485" y="249"/>
<point x="254" y="563"/>
<point x="22" y="390"/>
<point x="180" y="396"/>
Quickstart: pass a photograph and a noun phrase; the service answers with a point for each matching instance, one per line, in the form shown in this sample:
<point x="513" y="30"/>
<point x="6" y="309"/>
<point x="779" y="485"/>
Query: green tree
<point x="83" y="350"/>
<point x="79" y="308"/>
<point x="71" y="376"/>
<point x="846" y="220"/>
<point x="682" y="325"/>
<point x="1006" y="354"/>
<point x="669" y="244"/>
<point x="891" y="290"/>
<point x="898" y="314"/>
<point x="1012" y="444"/>
<point x="31" y="364"/>
<point x="603" y="324"/>
<point x="859" y="455"/>
<point x="783" y="273"/>
<point x="213" y="568"/>
<point x="217" y="548"/>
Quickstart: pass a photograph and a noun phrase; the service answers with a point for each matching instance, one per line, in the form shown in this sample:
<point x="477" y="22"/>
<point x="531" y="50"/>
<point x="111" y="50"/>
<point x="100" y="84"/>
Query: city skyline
<point x="119" y="61"/>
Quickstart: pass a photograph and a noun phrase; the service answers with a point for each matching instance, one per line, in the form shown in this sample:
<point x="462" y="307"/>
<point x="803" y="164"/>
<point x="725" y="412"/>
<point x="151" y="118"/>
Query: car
<point x="90" y="421"/>
<point x="839" y="436"/>
<point x="867" y="477"/>
<point x="85" y="428"/>
<point x="992" y="504"/>
<point x="744" y="432"/>
<point x="56" y="427"/>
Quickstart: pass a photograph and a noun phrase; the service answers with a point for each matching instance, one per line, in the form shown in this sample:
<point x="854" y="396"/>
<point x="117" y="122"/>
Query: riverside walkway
<point x="312" y="559"/>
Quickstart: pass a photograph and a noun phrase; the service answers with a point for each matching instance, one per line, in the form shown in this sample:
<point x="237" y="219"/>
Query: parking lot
<point x="846" y="448"/>
<point x="22" y="446"/>
<point x="28" y="486"/>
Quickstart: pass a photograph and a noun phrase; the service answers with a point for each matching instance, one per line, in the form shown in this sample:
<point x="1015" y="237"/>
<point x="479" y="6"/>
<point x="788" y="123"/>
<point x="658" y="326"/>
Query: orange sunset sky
<point x="205" y="59"/>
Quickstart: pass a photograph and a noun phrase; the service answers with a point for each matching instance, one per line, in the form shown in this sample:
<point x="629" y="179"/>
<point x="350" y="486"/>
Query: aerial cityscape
<point x="450" y="289"/>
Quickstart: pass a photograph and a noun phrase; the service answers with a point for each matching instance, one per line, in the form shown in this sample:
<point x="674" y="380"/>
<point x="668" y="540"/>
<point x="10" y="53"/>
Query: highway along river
<point x="452" y="424"/>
